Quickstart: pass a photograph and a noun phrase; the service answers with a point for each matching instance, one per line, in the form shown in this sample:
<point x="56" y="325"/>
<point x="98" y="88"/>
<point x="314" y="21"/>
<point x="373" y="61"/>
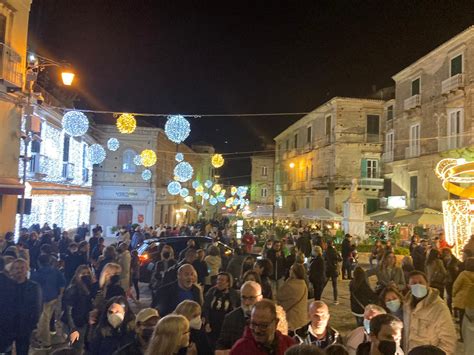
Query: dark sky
<point x="236" y="56"/>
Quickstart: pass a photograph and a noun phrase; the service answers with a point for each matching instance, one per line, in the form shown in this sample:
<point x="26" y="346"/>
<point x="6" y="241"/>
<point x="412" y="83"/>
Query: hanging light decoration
<point x="213" y="201"/>
<point x="208" y="184"/>
<point x="229" y="202"/>
<point x="199" y="190"/>
<point x="233" y="190"/>
<point x="75" y="123"/>
<point x="195" y="184"/>
<point x="216" y="188"/>
<point x="221" y="198"/>
<point x="126" y="123"/>
<point x="188" y="199"/>
<point x="183" y="171"/>
<point x="96" y="154"/>
<point x="146" y="174"/>
<point x="184" y="192"/>
<point x="179" y="157"/>
<point x="113" y="144"/>
<point x="217" y="160"/>
<point x="174" y="188"/>
<point x="148" y="157"/>
<point x="205" y="196"/>
<point x="242" y="191"/>
<point x="177" y="128"/>
<point x="137" y="160"/>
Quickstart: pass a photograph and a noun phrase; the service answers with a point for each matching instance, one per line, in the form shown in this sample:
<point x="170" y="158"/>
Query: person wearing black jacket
<point x="276" y="256"/>
<point x="346" y="252"/>
<point x="451" y="263"/>
<point x="361" y="295"/>
<point x="332" y="259"/>
<point x="419" y="256"/>
<point x="317" y="272"/>
<point x="72" y="261"/>
<point x="7" y="287"/>
<point x="172" y="272"/>
<point x="303" y="243"/>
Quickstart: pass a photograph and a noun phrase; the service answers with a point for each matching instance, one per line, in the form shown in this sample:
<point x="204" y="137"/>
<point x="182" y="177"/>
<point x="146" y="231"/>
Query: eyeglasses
<point x="262" y="326"/>
<point x="249" y="298"/>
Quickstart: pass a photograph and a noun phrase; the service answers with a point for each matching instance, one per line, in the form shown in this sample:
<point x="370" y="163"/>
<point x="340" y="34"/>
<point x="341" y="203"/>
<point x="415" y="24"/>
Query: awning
<point x="43" y="188"/>
<point x="10" y="186"/>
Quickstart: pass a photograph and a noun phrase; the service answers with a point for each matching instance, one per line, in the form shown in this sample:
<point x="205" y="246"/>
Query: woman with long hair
<point x="214" y="262"/>
<point x="170" y="335"/>
<point x="193" y="311"/>
<point x="392" y="300"/>
<point x="361" y="294"/>
<point x="247" y="265"/>
<point x="388" y="273"/>
<point x="264" y="268"/>
<point x="436" y="272"/>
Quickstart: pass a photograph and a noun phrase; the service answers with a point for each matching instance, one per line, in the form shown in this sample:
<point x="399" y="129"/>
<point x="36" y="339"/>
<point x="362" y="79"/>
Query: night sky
<point x="202" y="57"/>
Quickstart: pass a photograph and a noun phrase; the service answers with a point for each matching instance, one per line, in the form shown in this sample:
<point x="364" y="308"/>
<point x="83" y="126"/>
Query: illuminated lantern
<point x="113" y="144"/>
<point x="96" y="154"/>
<point x="126" y="123"/>
<point x="177" y="128"/>
<point x="217" y="160"/>
<point x="146" y="174"/>
<point x="208" y="184"/>
<point x="184" y="192"/>
<point x="75" y="123"/>
<point x="174" y="188"/>
<point x="179" y="157"/>
<point x="148" y="157"/>
<point x="184" y="171"/>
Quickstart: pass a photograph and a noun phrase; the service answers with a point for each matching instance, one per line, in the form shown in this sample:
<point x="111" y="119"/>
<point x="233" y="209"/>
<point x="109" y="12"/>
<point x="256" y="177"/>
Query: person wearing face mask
<point x="385" y="335"/>
<point x="426" y="317"/>
<point x="392" y="300"/>
<point x="192" y="311"/>
<point x="109" y="281"/>
<point x="145" y="323"/>
<point x="114" y="329"/>
<point x="360" y="335"/>
<point x="235" y="322"/>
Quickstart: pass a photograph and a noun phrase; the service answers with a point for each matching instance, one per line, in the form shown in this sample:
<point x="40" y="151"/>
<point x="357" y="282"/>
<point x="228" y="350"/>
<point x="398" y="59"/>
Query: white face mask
<point x="367" y="326"/>
<point x="115" y="319"/>
<point x="419" y="290"/>
<point x="195" y="323"/>
<point x="393" y="305"/>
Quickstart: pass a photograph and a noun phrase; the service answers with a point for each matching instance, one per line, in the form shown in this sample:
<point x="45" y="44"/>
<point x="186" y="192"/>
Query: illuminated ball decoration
<point x="126" y="123"/>
<point x="233" y="190"/>
<point x="206" y="196"/>
<point x="174" y="188"/>
<point x="229" y="202"/>
<point x="242" y="191"/>
<point x="199" y="190"/>
<point x="177" y="128"/>
<point x="184" y="192"/>
<point x="188" y="199"/>
<point x="75" y="123"/>
<point x="195" y="184"/>
<point x="179" y="157"/>
<point x="146" y="174"/>
<point x="216" y="188"/>
<point x="137" y="160"/>
<point x="113" y="144"/>
<point x="208" y="184"/>
<point x="213" y="201"/>
<point x="184" y="171"/>
<point x="217" y="160"/>
<point x="96" y="154"/>
<point x="221" y="198"/>
<point x="148" y="157"/>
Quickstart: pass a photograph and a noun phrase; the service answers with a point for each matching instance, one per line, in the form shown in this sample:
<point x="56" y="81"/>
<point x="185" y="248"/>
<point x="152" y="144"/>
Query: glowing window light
<point x="146" y="174"/>
<point x="206" y="196"/>
<point x="216" y="188"/>
<point x="177" y="128"/>
<point x="184" y="171"/>
<point x="148" y="157"/>
<point x="184" y="192"/>
<point x="75" y="123"/>
<point x="195" y="184"/>
<point x="217" y="160"/>
<point x="208" y="184"/>
<point x="113" y="144"/>
<point x="233" y="190"/>
<point x="213" y="201"/>
<point x="96" y="154"/>
<point x="174" y="188"/>
<point x="126" y="123"/>
<point x="179" y="157"/>
<point x="188" y="199"/>
<point x="137" y="160"/>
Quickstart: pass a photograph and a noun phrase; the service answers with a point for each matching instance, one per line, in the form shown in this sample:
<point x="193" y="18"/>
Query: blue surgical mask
<point x="419" y="290"/>
<point x="367" y="326"/>
<point x="393" y="306"/>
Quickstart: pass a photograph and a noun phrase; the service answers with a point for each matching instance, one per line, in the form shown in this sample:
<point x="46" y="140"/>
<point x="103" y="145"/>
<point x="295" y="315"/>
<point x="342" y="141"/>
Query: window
<point x="387" y="187"/>
<point x="296" y="141"/>
<point x="287" y="145"/>
<point x="66" y="148"/>
<point x="390" y="113"/>
<point x="309" y="134"/>
<point x="413" y="186"/>
<point x="390" y="143"/>
<point x="455" y="128"/>
<point x="328" y="126"/>
<point x="263" y="192"/>
<point x="128" y="166"/>
<point x="415" y="140"/>
<point x="307" y="202"/>
<point x="264" y="171"/>
<point x="373" y="124"/>
<point x="415" y="87"/>
<point x="372" y="168"/>
<point x="456" y="65"/>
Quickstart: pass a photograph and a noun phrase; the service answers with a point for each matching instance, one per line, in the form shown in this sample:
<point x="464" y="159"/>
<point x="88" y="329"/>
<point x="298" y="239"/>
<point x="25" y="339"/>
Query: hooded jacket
<point x="247" y="345"/>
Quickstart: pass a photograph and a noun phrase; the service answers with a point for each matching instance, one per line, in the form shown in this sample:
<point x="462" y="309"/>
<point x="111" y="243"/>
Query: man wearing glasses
<point x="261" y="337"/>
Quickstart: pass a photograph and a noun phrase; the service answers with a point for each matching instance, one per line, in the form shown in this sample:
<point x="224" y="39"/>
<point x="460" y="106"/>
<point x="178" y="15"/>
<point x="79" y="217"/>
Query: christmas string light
<point x="177" y="128"/>
<point x="148" y="157"/>
<point x="208" y="184"/>
<point x="137" y="160"/>
<point x="217" y="160"/>
<point x="179" y="157"/>
<point x="174" y="188"/>
<point x="113" y="144"/>
<point x="126" y="123"/>
<point x="75" y="123"/>
<point x="184" y="192"/>
<point x="146" y="174"/>
<point x="183" y="171"/>
<point x="96" y="154"/>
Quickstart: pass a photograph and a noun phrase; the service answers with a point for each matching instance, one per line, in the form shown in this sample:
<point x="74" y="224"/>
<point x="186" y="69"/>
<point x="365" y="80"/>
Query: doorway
<point x="124" y="215"/>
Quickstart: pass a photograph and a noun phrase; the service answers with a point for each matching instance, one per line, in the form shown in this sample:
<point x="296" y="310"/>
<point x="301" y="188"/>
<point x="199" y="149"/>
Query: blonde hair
<point x="188" y="309"/>
<point x="109" y="270"/>
<point x="167" y="335"/>
<point x="282" y="322"/>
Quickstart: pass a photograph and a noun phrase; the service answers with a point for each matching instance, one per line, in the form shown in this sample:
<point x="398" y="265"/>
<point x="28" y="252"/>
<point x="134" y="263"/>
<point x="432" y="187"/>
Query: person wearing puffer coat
<point x="427" y="319"/>
<point x="214" y="263"/>
<point x="463" y="299"/>
<point x="293" y="297"/>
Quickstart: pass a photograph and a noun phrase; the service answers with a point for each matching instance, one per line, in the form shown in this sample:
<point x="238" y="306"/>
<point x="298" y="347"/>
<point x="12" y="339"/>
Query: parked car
<point x="149" y="252"/>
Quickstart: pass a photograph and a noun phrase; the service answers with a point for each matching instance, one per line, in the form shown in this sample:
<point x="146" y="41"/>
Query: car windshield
<point x="143" y="248"/>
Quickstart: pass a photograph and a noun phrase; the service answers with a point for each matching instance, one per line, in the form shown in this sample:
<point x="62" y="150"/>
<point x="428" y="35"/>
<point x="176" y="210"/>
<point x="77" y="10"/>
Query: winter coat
<point x="213" y="265"/>
<point x="429" y="323"/>
<point x="302" y="335"/>
<point x="361" y="296"/>
<point x="386" y="275"/>
<point x="317" y="271"/>
<point x="77" y="304"/>
<point x="107" y="345"/>
<point x="234" y="298"/>
<point x="124" y="259"/>
<point x="419" y="258"/>
<point x="247" y="345"/>
<point x="168" y="297"/>
<point x="26" y="307"/>
<point x="235" y="266"/>
<point x="293" y="297"/>
<point x="279" y="264"/>
<point x="303" y="243"/>
<point x="463" y="290"/>
<point x="232" y="329"/>
<point x="332" y="258"/>
<point x="436" y="273"/>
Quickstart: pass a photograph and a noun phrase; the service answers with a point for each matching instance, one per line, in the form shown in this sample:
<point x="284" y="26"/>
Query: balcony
<point x="387" y="157"/>
<point x="372" y="138"/>
<point x="412" y="151"/>
<point x="452" y="142"/>
<point x="37" y="166"/>
<point x="11" y="70"/>
<point x="371" y="183"/>
<point x="412" y="102"/>
<point x="452" y="84"/>
<point x="68" y="171"/>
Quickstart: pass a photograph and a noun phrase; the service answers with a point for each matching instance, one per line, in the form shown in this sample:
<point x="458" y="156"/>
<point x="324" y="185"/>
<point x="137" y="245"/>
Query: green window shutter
<point x="363" y="168"/>
<point x="372" y="205"/>
<point x="456" y="65"/>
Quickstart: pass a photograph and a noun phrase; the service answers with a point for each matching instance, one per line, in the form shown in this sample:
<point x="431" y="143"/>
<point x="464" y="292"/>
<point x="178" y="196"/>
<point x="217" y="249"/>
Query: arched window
<point x="128" y="166"/>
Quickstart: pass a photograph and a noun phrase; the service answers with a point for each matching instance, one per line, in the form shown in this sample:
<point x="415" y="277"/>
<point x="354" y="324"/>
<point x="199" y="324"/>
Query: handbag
<point x="294" y="304"/>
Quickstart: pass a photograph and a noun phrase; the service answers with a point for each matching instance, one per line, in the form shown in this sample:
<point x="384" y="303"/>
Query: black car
<point x="149" y="251"/>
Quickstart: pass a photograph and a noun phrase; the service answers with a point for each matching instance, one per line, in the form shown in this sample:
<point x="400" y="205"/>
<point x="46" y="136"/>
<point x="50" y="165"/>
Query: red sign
<point x="140" y="218"/>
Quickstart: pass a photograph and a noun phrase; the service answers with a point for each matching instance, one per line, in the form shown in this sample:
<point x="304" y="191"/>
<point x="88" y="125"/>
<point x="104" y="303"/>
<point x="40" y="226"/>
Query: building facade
<point x="14" y="16"/>
<point x="262" y="179"/>
<point x="319" y="155"/>
<point x="432" y="115"/>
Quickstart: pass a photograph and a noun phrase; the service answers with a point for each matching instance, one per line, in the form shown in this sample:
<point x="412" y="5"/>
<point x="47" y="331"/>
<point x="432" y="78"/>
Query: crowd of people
<point x="205" y="301"/>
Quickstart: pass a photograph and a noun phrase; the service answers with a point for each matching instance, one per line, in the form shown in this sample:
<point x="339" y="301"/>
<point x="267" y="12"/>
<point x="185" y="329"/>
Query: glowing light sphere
<point x="179" y="157"/>
<point x="216" y="188"/>
<point x="113" y="144"/>
<point x="184" y="192"/>
<point x="213" y="201"/>
<point x="96" y="154"/>
<point x="229" y="202"/>
<point x="146" y="174"/>
<point x="233" y="190"/>
<point x="137" y="160"/>
<point x="221" y="198"/>
<point x="188" y="199"/>
<point x="177" y="128"/>
<point x="208" y="184"/>
<point x="235" y="202"/>
<point x="126" y="123"/>
<point x="148" y="157"/>
<point x="242" y="191"/>
<point x="199" y="189"/>
<point x="184" y="171"/>
<point x="217" y="160"/>
<point x="75" y="123"/>
<point x="174" y="188"/>
<point x="222" y="193"/>
<point x="205" y="196"/>
<point x="195" y="184"/>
